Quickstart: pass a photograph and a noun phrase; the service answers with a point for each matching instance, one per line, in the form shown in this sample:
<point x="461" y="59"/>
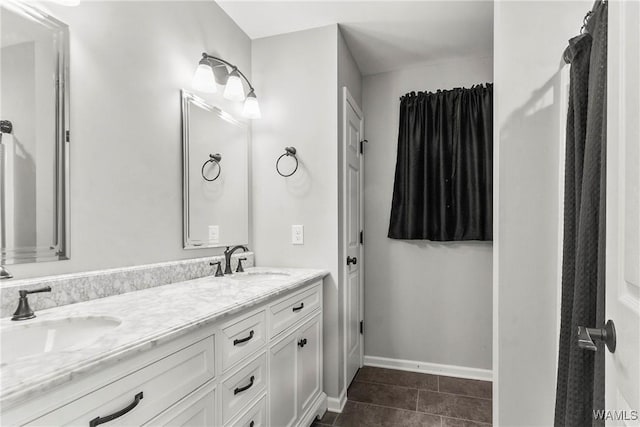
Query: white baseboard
<point x="429" y="368"/>
<point x="336" y="404"/>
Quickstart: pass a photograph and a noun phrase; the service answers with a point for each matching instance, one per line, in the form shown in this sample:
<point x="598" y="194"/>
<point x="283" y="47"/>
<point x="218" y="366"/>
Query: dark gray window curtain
<point x="444" y="168"/>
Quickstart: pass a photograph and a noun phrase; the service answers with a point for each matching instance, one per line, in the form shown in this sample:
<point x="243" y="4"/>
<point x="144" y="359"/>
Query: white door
<point x="352" y="221"/>
<point x="623" y="213"/>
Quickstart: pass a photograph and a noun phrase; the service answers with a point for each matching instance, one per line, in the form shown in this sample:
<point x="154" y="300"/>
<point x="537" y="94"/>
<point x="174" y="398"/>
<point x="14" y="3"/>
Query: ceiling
<point x="382" y="35"/>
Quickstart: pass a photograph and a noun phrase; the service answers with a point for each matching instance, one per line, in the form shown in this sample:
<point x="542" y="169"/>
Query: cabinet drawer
<point x="162" y="383"/>
<point x="195" y="410"/>
<point x="289" y="311"/>
<point x="256" y="416"/>
<point x="242" y="387"/>
<point x="242" y="337"/>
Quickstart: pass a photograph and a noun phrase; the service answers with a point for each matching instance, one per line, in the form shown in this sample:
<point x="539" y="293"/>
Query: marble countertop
<point x="149" y="317"/>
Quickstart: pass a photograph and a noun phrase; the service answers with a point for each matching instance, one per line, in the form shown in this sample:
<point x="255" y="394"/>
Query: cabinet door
<point x="309" y="363"/>
<point x="283" y="384"/>
<point x="195" y="410"/>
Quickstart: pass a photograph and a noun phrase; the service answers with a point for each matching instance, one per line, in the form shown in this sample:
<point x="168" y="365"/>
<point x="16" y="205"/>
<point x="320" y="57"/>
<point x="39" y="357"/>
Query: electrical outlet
<point x="297" y="234"/>
<point x="214" y="234"/>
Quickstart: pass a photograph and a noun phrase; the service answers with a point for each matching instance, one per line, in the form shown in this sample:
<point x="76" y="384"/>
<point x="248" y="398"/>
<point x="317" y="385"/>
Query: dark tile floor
<point x="388" y="398"/>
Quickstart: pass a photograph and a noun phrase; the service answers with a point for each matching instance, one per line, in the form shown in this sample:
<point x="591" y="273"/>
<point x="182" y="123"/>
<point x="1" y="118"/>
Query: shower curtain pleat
<point x="580" y="381"/>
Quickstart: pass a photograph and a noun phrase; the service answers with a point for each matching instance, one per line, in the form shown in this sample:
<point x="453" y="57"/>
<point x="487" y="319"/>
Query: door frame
<point x="622" y="247"/>
<point x="349" y="100"/>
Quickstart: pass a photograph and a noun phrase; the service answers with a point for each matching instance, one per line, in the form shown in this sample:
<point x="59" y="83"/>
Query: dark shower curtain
<point x="580" y="384"/>
<point x="443" y="187"/>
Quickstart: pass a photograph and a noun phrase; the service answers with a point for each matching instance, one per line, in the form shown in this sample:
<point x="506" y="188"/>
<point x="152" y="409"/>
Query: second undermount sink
<point x="47" y="336"/>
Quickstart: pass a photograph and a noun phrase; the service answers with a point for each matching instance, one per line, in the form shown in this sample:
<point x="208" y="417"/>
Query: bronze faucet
<point x="24" y="312"/>
<point x="227" y="257"/>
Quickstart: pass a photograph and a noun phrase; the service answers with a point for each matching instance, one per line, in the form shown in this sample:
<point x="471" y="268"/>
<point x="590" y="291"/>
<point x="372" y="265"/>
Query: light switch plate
<point x="214" y="234"/>
<point x="297" y="234"/>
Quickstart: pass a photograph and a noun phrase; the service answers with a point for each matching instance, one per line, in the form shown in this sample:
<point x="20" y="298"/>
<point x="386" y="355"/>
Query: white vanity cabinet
<point x="260" y="367"/>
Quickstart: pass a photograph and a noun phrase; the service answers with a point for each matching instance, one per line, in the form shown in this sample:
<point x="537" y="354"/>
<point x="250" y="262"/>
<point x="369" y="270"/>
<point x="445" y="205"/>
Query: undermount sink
<point x="49" y="336"/>
<point x="260" y="275"/>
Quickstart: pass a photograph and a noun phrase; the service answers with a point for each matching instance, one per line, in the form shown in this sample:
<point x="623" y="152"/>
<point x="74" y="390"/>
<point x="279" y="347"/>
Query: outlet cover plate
<point x="214" y="234"/>
<point x="297" y="234"/>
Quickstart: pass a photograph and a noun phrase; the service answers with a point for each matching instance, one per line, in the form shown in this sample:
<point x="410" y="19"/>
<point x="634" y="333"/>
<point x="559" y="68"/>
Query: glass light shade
<point x="203" y="79"/>
<point x="234" y="90"/>
<point x="251" y="108"/>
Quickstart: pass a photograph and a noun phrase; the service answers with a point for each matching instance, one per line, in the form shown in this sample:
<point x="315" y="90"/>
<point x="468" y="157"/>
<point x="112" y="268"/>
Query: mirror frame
<point x="188" y="98"/>
<point x="59" y="249"/>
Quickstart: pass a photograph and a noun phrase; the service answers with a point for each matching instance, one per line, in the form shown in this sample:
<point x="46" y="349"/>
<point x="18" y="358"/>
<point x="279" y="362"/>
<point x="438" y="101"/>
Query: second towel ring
<point x="288" y="151"/>
<point x="213" y="158"/>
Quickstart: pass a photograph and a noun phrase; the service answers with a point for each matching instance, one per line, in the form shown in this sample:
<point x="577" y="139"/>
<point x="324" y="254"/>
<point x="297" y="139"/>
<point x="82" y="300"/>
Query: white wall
<point x="348" y="76"/>
<point x="301" y="106"/>
<point x="424" y="301"/>
<point x="129" y="61"/>
<point x="296" y="76"/>
<point x="530" y="38"/>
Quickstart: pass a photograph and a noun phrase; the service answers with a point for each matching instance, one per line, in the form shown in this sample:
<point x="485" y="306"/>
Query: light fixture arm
<point x="234" y="67"/>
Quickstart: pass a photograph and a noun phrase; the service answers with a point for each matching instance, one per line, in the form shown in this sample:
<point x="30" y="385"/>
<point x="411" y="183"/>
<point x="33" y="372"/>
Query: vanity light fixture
<point x="203" y="79"/>
<point x="251" y="107"/>
<point x="212" y="70"/>
<point x="234" y="90"/>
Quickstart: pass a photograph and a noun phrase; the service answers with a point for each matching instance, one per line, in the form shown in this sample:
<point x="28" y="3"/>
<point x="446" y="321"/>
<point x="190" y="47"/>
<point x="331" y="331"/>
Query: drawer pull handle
<point x="247" y="387"/>
<point x="298" y="308"/>
<point x="241" y="340"/>
<point x="302" y="342"/>
<point x="101" y="420"/>
<point x="251" y="424"/>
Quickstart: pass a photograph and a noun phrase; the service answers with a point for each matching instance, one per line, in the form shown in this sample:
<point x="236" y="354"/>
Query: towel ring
<point x="213" y="158"/>
<point x="288" y="151"/>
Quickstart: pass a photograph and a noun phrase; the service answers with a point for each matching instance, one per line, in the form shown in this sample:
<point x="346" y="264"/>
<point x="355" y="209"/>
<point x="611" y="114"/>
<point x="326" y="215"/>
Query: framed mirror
<point x="215" y="175"/>
<point x="34" y="156"/>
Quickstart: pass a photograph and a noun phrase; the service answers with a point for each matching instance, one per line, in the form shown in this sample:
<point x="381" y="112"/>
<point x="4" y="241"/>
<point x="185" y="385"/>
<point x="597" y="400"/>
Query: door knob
<point x="352" y="260"/>
<point x="586" y="337"/>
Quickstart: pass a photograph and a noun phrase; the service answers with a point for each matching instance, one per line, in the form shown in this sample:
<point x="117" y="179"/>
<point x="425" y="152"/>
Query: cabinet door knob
<point x="352" y="260"/>
<point x="302" y="342"/>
